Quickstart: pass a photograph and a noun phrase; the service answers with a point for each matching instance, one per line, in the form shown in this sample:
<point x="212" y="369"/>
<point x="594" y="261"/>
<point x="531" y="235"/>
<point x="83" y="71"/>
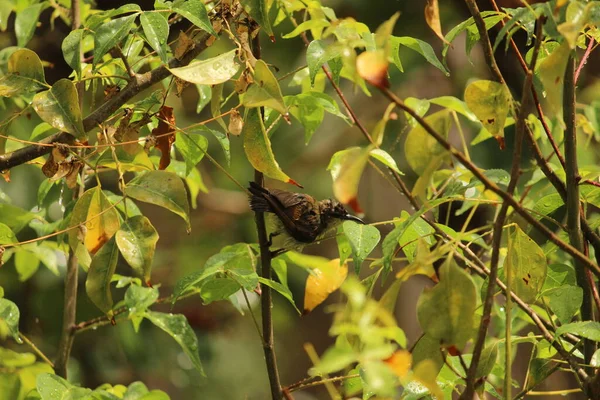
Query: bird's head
<point x="333" y="209"/>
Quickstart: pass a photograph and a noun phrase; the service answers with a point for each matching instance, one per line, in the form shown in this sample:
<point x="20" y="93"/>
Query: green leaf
<point x="178" y="327"/>
<point x="259" y="11"/>
<point x="343" y="245"/>
<point x="9" y="358"/>
<point x="428" y="348"/>
<point x="195" y="12"/>
<point x="163" y="189"/>
<point x="71" y="49"/>
<point x="420" y="148"/>
<point x="6" y="235"/>
<point x="218" y="289"/>
<point x="551" y="72"/>
<point x="15" y="218"/>
<point x="138" y="299"/>
<point x="59" y="107"/>
<point x="258" y="147"/>
<point x="565" y="301"/>
<point x="334" y="359"/>
<point x="318" y="54"/>
<point x="379" y="130"/>
<point x="363" y="239"/>
<point x="156" y="29"/>
<point x="559" y="275"/>
<point x="586" y="329"/>
<point x="421" y="47"/>
<point x="192" y="148"/>
<point x="204" y="96"/>
<point x="136" y="240"/>
<point x="346" y="168"/>
<point x="315" y="25"/>
<point x="446" y="312"/>
<point x="26" y="22"/>
<point x="26" y="264"/>
<point x="9" y="315"/>
<point x="387" y="160"/>
<point x="528" y="266"/>
<point x="454" y="104"/>
<point x="102" y="269"/>
<point x="25" y="74"/>
<point x="488" y="360"/>
<point x="109" y="34"/>
<point x="281" y="289"/>
<point x="309" y="108"/>
<point x="213" y="71"/>
<point x="265" y="91"/>
<point x="6" y="8"/>
<point x="490" y="102"/>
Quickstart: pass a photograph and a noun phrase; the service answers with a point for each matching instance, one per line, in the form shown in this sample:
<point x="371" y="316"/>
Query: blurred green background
<point x="229" y="345"/>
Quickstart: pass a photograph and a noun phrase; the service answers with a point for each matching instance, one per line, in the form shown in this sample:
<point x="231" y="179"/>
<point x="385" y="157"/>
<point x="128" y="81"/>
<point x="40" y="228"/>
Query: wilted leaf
<point x="265" y="91"/>
<point x="446" y="312"/>
<point x="346" y="168"/>
<point x="490" y="102"/>
<point x="102" y="269"/>
<point x="236" y="123"/>
<point x="136" y="240"/>
<point x="59" y="107"/>
<point x="432" y="17"/>
<point x="258" y="147"/>
<point x="164" y="135"/>
<point x="213" y="71"/>
<point x="322" y="282"/>
<point x="163" y="189"/>
<point x="527" y="263"/>
<point x="178" y="327"/>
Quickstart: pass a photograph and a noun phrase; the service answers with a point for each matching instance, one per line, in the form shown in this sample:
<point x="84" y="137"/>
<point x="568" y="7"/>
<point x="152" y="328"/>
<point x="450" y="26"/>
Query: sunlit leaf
<point x="25" y="74"/>
<point x="101" y="220"/>
<point x="387" y="160"/>
<point x="6" y="8"/>
<point x="421" y="47"/>
<point x="363" y="239"/>
<point x="136" y="240"/>
<point x="178" y="327"/>
<point x="109" y="34"/>
<point x="6" y="234"/>
<point x="346" y="168"/>
<point x="163" y="189"/>
<point x="195" y="12"/>
<point x="258" y="147"/>
<point x="59" y="107"/>
<point x="585" y="329"/>
<point x="102" y="269"/>
<point x="318" y="54"/>
<point x="528" y="265"/>
<point x="213" y="71"/>
<point x="265" y="91"/>
<point x="551" y="72"/>
<point x="322" y="282"/>
<point x="446" y="311"/>
<point x="156" y="29"/>
<point x="490" y="102"/>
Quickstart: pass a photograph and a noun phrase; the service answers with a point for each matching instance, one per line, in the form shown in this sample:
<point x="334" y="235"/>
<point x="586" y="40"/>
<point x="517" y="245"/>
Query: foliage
<point x="115" y="158"/>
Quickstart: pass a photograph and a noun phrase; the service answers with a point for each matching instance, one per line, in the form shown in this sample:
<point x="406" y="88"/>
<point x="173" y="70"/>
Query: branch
<point x="266" y="301"/>
<point x="573" y="202"/>
<point x="137" y="84"/>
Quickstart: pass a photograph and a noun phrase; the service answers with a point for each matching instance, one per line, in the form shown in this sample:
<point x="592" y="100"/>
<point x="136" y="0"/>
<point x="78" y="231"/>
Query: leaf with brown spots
<point x="164" y="135"/>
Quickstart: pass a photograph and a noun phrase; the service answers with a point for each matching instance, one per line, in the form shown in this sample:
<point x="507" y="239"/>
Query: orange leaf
<point x="165" y="135"/>
<point x="400" y="362"/>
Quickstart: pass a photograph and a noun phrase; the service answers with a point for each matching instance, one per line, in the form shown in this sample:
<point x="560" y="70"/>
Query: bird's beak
<point x="349" y="217"/>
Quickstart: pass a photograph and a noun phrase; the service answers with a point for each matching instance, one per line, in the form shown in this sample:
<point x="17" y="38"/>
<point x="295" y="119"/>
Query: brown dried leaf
<point x="184" y="44"/>
<point x="180" y="84"/>
<point x="432" y="16"/>
<point x="111" y="91"/>
<point x="164" y="135"/>
<point x="236" y="123"/>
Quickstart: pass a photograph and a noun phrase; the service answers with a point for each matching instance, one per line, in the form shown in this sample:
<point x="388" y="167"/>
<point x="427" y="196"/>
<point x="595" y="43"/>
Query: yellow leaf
<point x="400" y="362"/>
<point x="490" y="102"/>
<point x="322" y="282"/>
<point x="426" y="373"/>
<point x="346" y="168"/>
<point x="551" y="73"/>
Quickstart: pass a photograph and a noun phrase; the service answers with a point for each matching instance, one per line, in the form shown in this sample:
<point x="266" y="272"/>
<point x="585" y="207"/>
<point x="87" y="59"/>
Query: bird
<point x="296" y="219"/>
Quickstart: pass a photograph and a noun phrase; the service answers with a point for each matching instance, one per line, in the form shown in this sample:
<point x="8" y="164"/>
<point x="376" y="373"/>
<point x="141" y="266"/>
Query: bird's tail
<point x="259" y="198"/>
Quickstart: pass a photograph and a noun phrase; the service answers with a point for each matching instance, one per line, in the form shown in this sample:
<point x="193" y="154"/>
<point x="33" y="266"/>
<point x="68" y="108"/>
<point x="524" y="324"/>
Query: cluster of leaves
<point x="141" y="138"/>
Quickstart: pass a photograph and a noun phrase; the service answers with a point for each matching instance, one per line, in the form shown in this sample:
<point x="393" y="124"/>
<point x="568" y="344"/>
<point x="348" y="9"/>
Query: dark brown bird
<point x="296" y="219"/>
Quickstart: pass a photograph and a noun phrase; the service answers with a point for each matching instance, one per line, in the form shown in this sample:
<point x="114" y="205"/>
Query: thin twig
<point x="295" y="387"/>
<point x="35" y="349"/>
<point x="584" y="59"/>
